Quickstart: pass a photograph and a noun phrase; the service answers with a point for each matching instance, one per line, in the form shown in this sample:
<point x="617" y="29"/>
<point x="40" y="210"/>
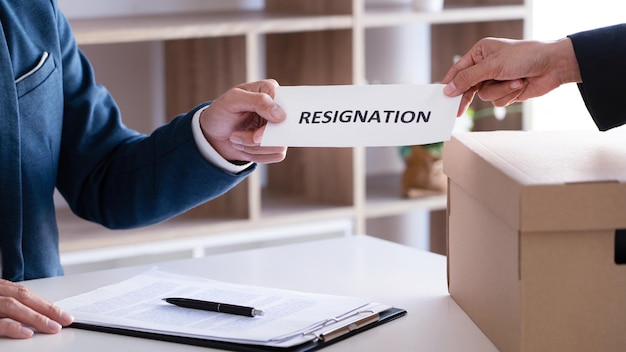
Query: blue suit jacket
<point x="59" y="128"/>
<point x="601" y="55"/>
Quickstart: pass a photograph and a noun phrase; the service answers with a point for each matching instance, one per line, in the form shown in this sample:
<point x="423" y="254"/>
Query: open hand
<point x="22" y="313"/>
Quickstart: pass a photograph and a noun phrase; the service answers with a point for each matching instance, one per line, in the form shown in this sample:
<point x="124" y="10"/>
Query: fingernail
<point x="450" y="89"/>
<point x="67" y="318"/>
<point x="236" y="140"/>
<point x="26" y="332"/>
<point x="53" y="325"/>
<point x="518" y="83"/>
<point x="276" y="111"/>
<point x="238" y="147"/>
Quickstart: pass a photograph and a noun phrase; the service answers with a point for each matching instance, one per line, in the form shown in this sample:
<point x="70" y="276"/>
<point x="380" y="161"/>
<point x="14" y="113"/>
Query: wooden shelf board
<point x="392" y="15"/>
<point x="76" y="234"/>
<point x="297" y="209"/>
<point x="184" y="26"/>
<point x="384" y="198"/>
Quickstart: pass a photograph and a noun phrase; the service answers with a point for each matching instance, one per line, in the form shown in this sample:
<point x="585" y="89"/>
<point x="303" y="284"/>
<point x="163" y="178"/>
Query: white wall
<point x="563" y="108"/>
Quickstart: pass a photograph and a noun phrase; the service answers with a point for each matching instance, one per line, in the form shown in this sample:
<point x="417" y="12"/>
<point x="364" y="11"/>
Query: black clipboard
<point x="313" y="345"/>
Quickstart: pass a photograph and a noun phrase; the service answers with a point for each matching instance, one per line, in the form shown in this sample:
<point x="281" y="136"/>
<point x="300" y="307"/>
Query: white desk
<point x="355" y="266"/>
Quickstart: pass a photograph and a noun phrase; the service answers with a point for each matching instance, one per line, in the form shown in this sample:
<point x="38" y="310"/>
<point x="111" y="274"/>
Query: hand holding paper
<point x="370" y="115"/>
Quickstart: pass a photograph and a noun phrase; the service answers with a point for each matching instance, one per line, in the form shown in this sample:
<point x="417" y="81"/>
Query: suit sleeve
<point x="601" y="55"/>
<point x="118" y="177"/>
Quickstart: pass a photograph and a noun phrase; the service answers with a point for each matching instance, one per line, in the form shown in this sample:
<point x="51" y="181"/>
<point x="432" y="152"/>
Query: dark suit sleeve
<point x="601" y="55"/>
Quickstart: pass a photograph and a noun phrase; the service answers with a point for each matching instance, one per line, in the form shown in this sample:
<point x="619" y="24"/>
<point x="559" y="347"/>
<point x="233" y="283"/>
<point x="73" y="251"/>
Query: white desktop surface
<point x="356" y="266"/>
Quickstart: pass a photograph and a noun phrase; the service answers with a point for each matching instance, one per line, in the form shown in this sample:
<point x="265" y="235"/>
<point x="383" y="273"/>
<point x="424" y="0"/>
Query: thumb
<point x="460" y="79"/>
<point x="277" y="114"/>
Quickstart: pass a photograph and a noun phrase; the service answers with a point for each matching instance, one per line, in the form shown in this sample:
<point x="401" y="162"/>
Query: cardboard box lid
<point x="544" y="180"/>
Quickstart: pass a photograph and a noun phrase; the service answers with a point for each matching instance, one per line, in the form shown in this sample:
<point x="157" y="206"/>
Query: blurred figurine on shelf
<point x="423" y="173"/>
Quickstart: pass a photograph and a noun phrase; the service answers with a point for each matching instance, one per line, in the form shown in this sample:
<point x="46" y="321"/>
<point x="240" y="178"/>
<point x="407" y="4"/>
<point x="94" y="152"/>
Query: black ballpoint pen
<point x="214" y="306"/>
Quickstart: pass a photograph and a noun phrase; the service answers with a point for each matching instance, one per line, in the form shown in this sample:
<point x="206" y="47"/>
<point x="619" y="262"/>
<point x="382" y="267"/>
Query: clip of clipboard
<point x="350" y="325"/>
<point x="329" y="331"/>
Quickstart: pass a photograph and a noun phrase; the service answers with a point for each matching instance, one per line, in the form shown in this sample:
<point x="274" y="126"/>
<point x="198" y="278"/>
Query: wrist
<point x="209" y="152"/>
<point x="565" y="61"/>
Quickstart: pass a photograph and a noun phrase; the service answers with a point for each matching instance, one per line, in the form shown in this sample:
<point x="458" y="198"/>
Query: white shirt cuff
<point x="207" y="150"/>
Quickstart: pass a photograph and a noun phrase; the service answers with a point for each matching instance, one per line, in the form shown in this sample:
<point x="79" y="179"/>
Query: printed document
<point x="366" y="115"/>
<point x="290" y="317"/>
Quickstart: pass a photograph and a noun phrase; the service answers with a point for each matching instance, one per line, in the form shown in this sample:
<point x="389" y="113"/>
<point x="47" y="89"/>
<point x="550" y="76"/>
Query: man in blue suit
<point x="59" y="128"/>
<point x="505" y="71"/>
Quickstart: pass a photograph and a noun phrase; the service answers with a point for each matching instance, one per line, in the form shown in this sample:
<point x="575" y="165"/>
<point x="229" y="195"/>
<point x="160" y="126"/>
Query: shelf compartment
<point x="290" y="207"/>
<point x="197" y="70"/>
<point x="312" y="176"/>
<point x="310" y="58"/>
<point x="384" y="198"/>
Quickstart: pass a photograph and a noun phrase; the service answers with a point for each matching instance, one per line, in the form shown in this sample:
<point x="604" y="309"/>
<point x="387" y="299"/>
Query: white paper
<point x="367" y="115"/>
<point x="137" y="304"/>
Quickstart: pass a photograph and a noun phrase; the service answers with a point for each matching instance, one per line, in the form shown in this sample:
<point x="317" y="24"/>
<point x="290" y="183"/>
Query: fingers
<point x="267" y="86"/>
<point x="257" y="97"/>
<point x="470" y="69"/>
<point x="262" y="155"/>
<point x="258" y="154"/>
<point x="22" y="312"/>
<point x="248" y="144"/>
<point x="489" y="69"/>
<point x="466" y="100"/>
<point x="12" y="329"/>
<point x="464" y="77"/>
<point x="234" y="123"/>
<point x="502" y="93"/>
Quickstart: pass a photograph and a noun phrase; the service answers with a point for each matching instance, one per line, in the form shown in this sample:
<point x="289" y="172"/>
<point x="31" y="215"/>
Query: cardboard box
<point x="535" y="237"/>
